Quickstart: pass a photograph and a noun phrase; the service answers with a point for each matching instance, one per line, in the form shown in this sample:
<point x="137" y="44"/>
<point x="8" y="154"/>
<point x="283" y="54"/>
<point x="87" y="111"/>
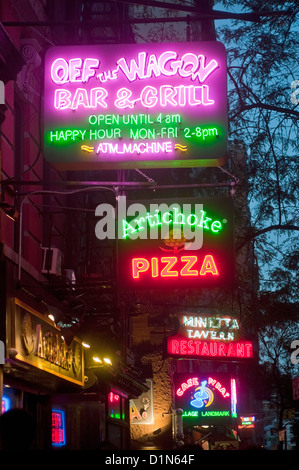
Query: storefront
<point x="38" y="364"/>
<point x="98" y="416"/>
<point x="209" y="351"/>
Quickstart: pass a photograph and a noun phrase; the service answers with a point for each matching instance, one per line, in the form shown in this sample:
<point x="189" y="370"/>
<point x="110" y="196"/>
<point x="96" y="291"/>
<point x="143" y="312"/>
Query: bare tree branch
<point x="268" y="107"/>
<point x="257" y="233"/>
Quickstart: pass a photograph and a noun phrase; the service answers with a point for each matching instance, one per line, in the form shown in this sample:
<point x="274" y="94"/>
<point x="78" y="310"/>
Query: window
<point x="116" y="406"/>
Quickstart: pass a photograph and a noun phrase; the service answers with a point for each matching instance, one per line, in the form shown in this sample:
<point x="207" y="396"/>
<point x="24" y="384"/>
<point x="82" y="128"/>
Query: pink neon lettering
<point x="167" y="94"/>
<point x="164" y="59"/>
<point x="168" y="64"/>
<point x="134" y="69"/>
<point x="205" y="96"/>
<point x="88" y="68"/>
<point x="123" y="101"/>
<point x="97" y="97"/>
<point x="188" y="59"/>
<point x="62" y="72"/>
<point x="148" y="96"/>
<point x="59" y="71"/>
<point x="63" y="98"/>
<point x="153" y="67"/>
<point x="74" y="69"/>
<point x="203" y="72"/>
<point x="138" y="148"/>
<point x="80" y="98"/>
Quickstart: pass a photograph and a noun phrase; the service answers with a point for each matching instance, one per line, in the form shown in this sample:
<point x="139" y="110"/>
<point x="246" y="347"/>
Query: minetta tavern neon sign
<point x="209" y="336"/>
<point x="146" y="105"/>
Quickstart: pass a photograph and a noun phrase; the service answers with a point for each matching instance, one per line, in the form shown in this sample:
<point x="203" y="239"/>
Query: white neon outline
<point x="73" y="71"/>
<point x="146" y="65"/>
<point x="87" y="61"/>
<point x="54" y="67"/>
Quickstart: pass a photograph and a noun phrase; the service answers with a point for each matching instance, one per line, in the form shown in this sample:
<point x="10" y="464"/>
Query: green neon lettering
<point x="189" y="219"/>
<point x="187" y="414"/>
<point x="214" y="413"/>
<point x="158" y="219"/>
<point x="216" y="226"/>
<point x="203" y="221"/>
<point x="138" y="222"/>
<point x="126" y="227"/>
<point x="176" y="216"/>
<point x="169" y="218"/>
<point x="149" y="217"/>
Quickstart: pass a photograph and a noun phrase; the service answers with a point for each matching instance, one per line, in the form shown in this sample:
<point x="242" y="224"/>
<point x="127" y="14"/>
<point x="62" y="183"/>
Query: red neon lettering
<point x="166" y="271"/>
<point x="139" y="265"/>
<point x="218" y="386"/>
<point x="155" y="267"/>
<point x="182" y="347"/>
<point x="190" y="261"/>
<point x="208" y="266"/>
<point x="142" y="265"/>
<point x="184" y="386"/>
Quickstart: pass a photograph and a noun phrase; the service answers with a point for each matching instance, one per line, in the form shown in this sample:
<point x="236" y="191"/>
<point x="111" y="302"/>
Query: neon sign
<point x="209" y="336"/>
<point x="5" y="404"/>
<point x="214" y="327"/>
<point x="185" y="348"/>
<point x="58" y="428"/>
<point x="234" y="398"/>
<point x="136" y="105"/>
<point x="247" y="419"/>
<point x="171" y="219"/>
<point x="169" y="263"/>
<point x="204" y="397"/>
<point x="202" y="414"/>
<point x="171" y="244"/>
<point x="203" y="389"/>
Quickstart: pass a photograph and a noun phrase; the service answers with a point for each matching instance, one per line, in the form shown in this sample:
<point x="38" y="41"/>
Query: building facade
<point x="60" y="284"/>
<point x="57" y="288"/>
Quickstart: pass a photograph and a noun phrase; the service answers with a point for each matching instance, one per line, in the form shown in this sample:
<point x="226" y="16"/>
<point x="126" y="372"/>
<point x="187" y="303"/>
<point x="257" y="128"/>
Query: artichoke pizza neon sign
<point x="136" y="105"/>
<point x="184" y="243"/>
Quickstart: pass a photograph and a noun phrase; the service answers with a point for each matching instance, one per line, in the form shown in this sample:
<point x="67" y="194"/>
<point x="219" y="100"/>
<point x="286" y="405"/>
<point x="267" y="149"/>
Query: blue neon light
<point x="5" y="404"/>
<point x="58" y="428"/>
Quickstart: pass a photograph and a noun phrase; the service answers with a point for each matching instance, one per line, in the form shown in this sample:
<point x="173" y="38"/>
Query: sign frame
<point x="128" y="106"/>
<point x="30" y="330"/>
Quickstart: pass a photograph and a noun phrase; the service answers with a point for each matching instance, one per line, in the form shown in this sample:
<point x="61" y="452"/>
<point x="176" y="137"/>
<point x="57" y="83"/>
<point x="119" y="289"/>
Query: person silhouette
<point x="17" y="430"/>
